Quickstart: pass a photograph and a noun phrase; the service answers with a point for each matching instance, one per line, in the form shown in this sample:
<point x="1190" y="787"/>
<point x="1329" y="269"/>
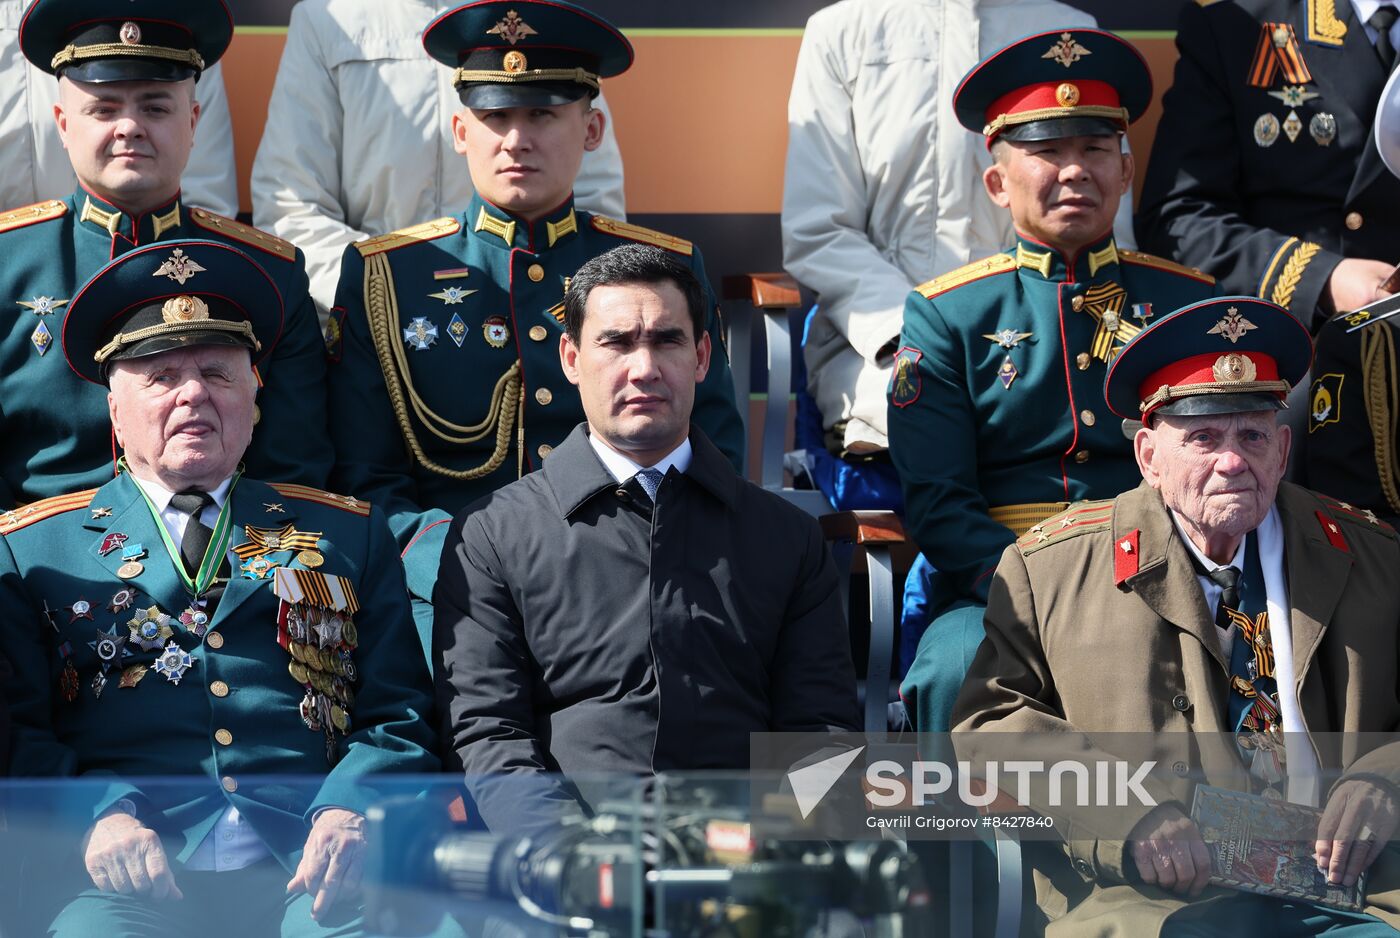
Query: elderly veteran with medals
<point x="1246" y="624"/>
<point x="126" y="112"/>
<point x="995" y="411"/>
<point x="448" y="384"/>
<point x="187" y="620"/>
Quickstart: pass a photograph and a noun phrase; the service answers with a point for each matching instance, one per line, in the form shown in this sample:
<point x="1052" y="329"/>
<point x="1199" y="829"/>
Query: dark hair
<point x="632" y="263"/>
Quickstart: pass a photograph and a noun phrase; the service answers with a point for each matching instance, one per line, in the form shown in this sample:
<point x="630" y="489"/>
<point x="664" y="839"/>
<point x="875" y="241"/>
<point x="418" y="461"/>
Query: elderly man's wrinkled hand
<point x="123" y="855"/>
<point x="1359" y="820"/>
<point x="1169" y="852"/>
<point x="331" y="864"/>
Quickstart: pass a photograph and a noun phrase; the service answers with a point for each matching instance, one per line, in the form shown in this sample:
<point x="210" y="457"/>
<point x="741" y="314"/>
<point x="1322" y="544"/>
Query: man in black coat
<point x="1264" y="173"/>
<point x="636" y="606"/>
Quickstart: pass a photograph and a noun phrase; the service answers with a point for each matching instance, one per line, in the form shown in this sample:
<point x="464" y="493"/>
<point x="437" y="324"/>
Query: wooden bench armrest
<point x="764" y="291"/>
<point x="863" y="527"/>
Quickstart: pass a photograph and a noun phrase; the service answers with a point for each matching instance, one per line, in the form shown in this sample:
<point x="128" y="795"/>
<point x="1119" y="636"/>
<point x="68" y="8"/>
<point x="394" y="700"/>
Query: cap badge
<point x="512" y="29"/>
<point x="1067" y="51"/>
<point x="1233" y="369"/>
<point x="1232" y="327"/>
<point x="130" y="34"/>
<point x="1067" y="95"/>
<point x="178" y="267"/>
<point x="184" y="309"/>
<point x="514" y="62"/>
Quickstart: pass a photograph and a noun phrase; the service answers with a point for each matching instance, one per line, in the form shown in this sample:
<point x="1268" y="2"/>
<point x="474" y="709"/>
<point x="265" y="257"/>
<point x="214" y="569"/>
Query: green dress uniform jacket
<point x="463" y="316"/>
<point x="235" y="715"/>
<point x="1080" y="641"/>
<point x="55" y="426"/>
<point x="1268" y="185"/>
<point x="984" y="451"/>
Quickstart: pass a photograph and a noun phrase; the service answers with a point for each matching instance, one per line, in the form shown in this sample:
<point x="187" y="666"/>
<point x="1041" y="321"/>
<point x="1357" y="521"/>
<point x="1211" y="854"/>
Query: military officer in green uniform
<point x="995" y="413"/>
<point x="126" y="113"/>
<point x="448" y="383"/>
<point x="187" y="620"/>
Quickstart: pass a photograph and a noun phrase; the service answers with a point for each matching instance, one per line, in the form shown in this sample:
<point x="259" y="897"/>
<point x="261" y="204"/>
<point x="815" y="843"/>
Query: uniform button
<point x="214" y="640"/>
<point x="544" y="450"/>
<point x="1179" y="769"/>
<point x="539" y="333"/>
<point x="1084" y="868"/>
<point x="1088" y="417"/>
<point x="1077" y="303"/>
<point x="1082" y="456"/>
<point x="228" y="835"/>
<point x="623" y="494"/>
<point x="218" y="689"/>
<point x="535" y="272"/>
<point x="1082" y="361"/>
<point x="224" y="737"/>
<point x="230" y="784"/>
<point x="1354" y="221"/>
<point x="544" y="395"/>
<point x="1181" y="702"/>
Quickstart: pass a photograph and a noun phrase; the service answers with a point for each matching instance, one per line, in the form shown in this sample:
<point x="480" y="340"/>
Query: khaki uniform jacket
<point x="1071" y="650"/>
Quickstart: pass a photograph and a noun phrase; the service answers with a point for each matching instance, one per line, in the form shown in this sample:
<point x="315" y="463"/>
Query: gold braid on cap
<point x="110" y="50"/>
<point x="1168" y="393"/>
<point x="1048" y="113"/>
<point x="579" y="75"/>
<point x="122" y="339"/>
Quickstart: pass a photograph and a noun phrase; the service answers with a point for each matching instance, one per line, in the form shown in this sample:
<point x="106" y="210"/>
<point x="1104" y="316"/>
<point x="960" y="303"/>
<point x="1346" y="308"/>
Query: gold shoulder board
<point x="244" y="234"/>
<point x="996" y="264"/>
<point x="12" y="521"/>
<point x="1161" y="263"/>
<point x="306" y="493"/>
<point x="427" y="231"/>
<point x="31" y="214"/>
<point x="1081" y="518"/>
<point x="622" y="229"/>
<point x="1361" y="517"/>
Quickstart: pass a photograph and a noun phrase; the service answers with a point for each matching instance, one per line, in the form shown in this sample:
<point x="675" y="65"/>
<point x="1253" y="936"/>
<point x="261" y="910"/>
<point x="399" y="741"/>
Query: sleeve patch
<point x="905" y="382"/>
<point x="1325" y="401"/>
<point x="335" y="335"/>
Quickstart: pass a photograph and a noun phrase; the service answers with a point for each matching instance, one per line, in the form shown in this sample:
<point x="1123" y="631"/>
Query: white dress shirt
<point x="624" y="468"/>
<point x="1365" y="9"/>
<point x="883" y="187"/>
<point x="358" y="140"/>
<point x="36" y="166"/>
<point x="232" y="844"/>
<point x="1302" y="762"/>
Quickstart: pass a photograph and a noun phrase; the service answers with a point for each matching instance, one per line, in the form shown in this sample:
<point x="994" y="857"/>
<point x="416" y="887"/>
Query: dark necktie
<point x="1253" y="690"/>
<point x="1381" y="21"/>
<point x="195" y="542"/>
<point x="1228" y="579"/>
<point x="650" y="481"/>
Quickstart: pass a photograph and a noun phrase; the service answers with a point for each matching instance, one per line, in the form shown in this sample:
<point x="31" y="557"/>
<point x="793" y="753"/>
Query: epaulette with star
<point x="12" y="521"/>
<point x="243" y="234"/>
<point x="1161" y="263"/>
<point x="650" y="236"/>
<point x="413" y="234"/>
<point x="996" y="264"/>
<point x="32" y="214"/>
<point x="306" y="493"/>
<point x="1077" y="519"/>
<point x="1362" y="517"/>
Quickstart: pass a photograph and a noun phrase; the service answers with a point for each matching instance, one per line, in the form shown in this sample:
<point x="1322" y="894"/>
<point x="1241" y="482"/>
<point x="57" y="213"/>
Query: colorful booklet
<point x="1265" y="846"/>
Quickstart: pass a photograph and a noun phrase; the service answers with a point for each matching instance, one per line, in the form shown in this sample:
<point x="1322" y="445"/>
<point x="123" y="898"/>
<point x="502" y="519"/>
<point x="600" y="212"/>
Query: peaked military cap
<point x="1061" y="83"/>
<point x="526" y="53"/>
<point x="135" y="40"/>
<point x="1227" y="355"/>
<point x="171" y="295"/>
